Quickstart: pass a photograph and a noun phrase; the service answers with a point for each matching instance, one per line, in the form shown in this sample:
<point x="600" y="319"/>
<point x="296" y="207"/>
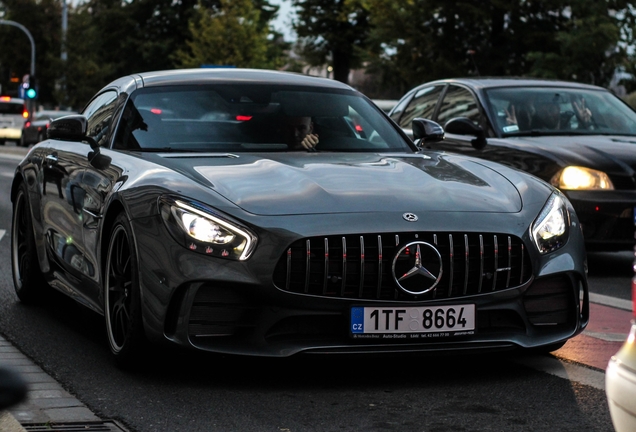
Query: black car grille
<point x="360" y="266"/>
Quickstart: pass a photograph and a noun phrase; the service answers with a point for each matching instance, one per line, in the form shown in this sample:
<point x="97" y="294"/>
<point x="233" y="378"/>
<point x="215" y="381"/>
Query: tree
<point x="335" y="31"/>
<point x="230" y="34"/>
<point x="423" y="40"/>
<point x="42" y="18"/>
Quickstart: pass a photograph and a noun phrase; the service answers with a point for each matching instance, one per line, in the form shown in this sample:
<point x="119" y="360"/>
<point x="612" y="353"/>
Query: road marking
<point x="611" y="301"/>
<point x="609" y="337"/>
<point x="566" y="370"/>
<point x="2" y="233"/>
<point x="18" y="157"/>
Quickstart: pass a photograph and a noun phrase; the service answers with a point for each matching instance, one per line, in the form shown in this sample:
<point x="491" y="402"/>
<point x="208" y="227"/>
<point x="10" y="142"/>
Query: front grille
<point x="360" y="266"/>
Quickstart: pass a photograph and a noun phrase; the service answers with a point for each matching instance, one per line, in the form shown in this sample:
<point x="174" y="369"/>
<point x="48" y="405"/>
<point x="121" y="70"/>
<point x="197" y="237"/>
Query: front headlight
<point x="550" y="229"/>
<point x="198" y="229"/>
<point x="581" y="178"/>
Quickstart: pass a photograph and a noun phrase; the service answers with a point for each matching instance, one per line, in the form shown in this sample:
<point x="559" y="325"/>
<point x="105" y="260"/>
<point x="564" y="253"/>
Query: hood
<point x="314" y="183"/>
<point x="609" y="153"/>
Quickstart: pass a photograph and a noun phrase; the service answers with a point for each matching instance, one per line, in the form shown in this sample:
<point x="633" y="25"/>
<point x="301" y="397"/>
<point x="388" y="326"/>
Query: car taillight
<point x="27" y="124"/>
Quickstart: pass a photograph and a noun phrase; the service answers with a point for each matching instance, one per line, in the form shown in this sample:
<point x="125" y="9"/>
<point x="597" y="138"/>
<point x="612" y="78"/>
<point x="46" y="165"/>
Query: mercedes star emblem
<point x="417" y="267"/>
<point x="409" y="217"/>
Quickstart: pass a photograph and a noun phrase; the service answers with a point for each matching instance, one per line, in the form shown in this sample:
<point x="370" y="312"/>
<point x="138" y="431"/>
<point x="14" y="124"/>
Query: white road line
<point x="2" y="233"/>
<point x="565" y="370"/>
<point x="17" y="157"/>
<point x="611" y="301"/>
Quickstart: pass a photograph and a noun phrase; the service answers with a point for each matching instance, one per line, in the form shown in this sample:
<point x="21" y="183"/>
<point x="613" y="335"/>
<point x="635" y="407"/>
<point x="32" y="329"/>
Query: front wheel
<point x="122" y="298"/>
<point x="27" y="277"/>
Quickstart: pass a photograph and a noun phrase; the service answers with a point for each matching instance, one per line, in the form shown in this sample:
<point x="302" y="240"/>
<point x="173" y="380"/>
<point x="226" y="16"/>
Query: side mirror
<point x="71" y="128"/>
<point x="465" y="126"/>
<point x="427" y="130"/>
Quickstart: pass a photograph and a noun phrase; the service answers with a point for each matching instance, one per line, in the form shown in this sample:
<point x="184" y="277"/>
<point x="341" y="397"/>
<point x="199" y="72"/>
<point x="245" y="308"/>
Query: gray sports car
<point x="268" y="213"/>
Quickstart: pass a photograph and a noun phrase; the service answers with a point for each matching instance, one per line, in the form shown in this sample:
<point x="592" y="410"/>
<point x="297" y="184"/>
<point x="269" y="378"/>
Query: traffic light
<point x="29" y="87"/>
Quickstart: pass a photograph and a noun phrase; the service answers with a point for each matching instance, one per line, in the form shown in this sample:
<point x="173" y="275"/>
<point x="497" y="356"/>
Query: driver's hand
<point x="309" y="142"/>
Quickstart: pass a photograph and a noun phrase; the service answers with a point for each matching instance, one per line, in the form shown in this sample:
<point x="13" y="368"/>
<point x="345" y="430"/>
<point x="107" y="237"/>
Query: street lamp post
<point x="25" y="30"/>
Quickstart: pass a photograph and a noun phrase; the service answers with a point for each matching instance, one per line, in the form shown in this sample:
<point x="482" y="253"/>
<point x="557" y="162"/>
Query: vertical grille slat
<point x="451" y="271"/>
<point x="360" y="266"/>
<point x="343" y="287"/>
<point x="325" y="276"/>
<point x="379" y="266"/>
<point x="466" y="263"/>
<point x="361" y="289"/>
<point x="496" y="266"/>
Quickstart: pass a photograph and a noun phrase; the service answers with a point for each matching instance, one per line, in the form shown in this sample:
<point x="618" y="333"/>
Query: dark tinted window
<point x="99" y="114"/>
<point x="421" y="106"/>
<point x="11" y="108"/>
<point x="549" y="110"/>
<point x="251" y="117"/>
<point x="458" y="102"/>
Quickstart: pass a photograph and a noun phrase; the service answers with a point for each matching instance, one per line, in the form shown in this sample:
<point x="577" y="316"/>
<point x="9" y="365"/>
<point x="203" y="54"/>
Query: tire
<point x="28" y="280"/>
<point x="22" y="142"/>
<point x="122" y="298"/>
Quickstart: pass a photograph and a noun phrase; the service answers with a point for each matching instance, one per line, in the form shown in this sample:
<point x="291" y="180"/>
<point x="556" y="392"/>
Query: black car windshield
<point x="255" y="118"/>
<point x="521" y="111"/>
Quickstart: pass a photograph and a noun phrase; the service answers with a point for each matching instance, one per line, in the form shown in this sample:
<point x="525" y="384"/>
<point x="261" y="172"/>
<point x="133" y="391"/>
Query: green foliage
<point x="335" y="31"/>
<point x="423" y="40"/>
<point x="230" y="34"/>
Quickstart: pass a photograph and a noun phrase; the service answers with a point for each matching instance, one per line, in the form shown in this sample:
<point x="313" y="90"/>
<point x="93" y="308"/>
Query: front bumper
<point x="10" y="133"/>
<point x="236" y="307"/>
<point x="607" y="218"/>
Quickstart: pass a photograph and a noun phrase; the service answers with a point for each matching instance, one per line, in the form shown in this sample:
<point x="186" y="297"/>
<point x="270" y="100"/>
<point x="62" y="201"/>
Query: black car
<point x="580" y="138"/>
<point x="269" y="213"/>
<point x="34" y="129"/>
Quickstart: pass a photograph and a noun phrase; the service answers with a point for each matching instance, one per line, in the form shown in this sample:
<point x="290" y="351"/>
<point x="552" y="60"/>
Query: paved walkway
<point x="47" y="401"/>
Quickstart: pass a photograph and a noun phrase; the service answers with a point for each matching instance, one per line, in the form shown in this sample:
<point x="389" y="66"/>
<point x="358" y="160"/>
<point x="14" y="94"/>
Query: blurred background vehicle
<point x="578" y="137"/>
<point x="34" y="129"/>
<point x="385" y="105"/>
<point x="13" y="112"/>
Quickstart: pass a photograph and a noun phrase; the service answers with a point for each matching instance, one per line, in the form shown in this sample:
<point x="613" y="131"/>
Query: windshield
<point x="257" y="118"/>
<point x="12" y="108"/>
<point x="551" y="110"/>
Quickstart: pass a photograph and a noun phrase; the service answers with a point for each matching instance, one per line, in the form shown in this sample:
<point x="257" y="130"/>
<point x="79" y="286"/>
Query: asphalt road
<point x="188" y="391"/>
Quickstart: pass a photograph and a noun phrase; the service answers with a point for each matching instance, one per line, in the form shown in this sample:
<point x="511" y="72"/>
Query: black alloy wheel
<point x="27" y="277"/>
<point x="122" y="300"/>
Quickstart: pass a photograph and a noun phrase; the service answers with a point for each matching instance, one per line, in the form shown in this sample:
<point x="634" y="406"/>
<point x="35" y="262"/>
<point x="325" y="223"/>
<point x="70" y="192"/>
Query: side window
<point x="399" y="109"/>
<point x="421" y="106"/>
<point x="458" y="102"/>
<point x="99" y="114"/>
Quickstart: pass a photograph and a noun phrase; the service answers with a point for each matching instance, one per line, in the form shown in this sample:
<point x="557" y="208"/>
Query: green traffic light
<point x="31" y="93"/>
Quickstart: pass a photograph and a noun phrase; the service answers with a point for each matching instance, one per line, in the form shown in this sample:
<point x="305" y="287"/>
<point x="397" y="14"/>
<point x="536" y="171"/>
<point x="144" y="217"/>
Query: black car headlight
<point x="202" y="230"/>
<point x="551" y="228"/>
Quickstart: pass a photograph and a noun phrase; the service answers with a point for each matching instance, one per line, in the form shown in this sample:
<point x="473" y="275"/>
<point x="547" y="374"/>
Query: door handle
<point x="51" y="159"/>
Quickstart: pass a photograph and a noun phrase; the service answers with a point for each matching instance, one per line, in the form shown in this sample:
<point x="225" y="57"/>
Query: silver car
<point x="12" y="115"/>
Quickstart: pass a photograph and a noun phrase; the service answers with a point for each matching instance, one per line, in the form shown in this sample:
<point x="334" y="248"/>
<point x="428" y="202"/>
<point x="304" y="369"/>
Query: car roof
<point x="480" y="83"/>
<point x="234" y="75"/>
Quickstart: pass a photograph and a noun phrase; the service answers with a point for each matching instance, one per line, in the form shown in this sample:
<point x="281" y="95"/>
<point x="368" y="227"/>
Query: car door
<point x="422" y="105"/>
<point x="67" y="190"/>
<point x="458" y="101"/>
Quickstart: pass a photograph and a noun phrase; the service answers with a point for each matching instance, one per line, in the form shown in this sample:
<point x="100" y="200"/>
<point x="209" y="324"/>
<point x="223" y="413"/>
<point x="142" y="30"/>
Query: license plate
<point x="412" y="322"/>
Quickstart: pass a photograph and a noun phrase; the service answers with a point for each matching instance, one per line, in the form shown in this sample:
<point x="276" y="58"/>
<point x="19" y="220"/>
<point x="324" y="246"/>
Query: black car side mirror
<point x="427" y="130"/>
<point x="465" y="126"/>
<point x="72" y="128"/>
